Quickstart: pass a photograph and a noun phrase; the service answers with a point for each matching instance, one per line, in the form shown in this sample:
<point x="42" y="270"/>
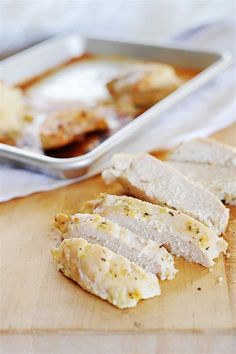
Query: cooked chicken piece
<point x="96" y="229"/>
<point x="125" y="107"/>
<point x="11" y="114"/>
<point x="145" y="84"/>
<point x="206" y="151"/>
<point x="105" y="274"/>
<point x="146" y="177"/>
<point x="62" y="128"/>
<point x="219" y="180"/>
<point x="183" y="235"/>
<point x="210" y="163"/>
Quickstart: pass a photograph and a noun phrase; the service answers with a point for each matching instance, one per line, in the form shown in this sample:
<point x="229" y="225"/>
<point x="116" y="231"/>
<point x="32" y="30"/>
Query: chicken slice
<point x="146" y="177"/>
<point x="105" y="274"/>
<point x="219" y="180"/>
<point x="205" y="151"/>
<point x="62" y="128"/>
<point x="96" y="229"/>
<point x="183" y="235"/>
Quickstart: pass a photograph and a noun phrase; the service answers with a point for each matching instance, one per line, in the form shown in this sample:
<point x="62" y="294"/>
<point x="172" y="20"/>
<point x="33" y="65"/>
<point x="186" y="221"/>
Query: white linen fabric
<point x="207" y="110"/>
<point x="27" y="21"/>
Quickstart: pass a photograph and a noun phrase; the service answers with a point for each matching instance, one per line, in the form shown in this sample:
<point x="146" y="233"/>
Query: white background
<point x="24" y="22"/>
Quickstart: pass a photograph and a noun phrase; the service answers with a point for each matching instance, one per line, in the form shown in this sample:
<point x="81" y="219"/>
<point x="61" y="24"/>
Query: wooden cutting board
<point x="44" y="312"/>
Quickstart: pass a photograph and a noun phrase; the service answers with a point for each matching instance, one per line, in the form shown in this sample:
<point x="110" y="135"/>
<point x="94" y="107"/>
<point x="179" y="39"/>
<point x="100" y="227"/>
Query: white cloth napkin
<point x="211" y="108"/>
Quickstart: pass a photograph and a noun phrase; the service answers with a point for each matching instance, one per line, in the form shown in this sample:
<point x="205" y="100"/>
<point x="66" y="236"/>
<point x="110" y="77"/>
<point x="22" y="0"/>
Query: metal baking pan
<point x="51" y="53"/>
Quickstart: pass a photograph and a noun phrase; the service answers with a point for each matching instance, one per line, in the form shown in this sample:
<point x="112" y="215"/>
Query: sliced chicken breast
<point x="206" y="151"/>
<point x="96" y="229"/>
<point x="146" y="177"/>
<point x="219" y="180"/>
<point x="103" y="273"/>
<point x="183" y="235"/>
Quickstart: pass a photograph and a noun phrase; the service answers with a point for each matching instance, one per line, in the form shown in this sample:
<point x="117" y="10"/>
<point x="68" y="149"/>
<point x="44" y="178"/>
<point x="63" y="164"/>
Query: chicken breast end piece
<point x="105" y="274"/>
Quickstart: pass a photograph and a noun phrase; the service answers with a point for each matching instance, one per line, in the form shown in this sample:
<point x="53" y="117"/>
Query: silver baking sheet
<point x="40" y="58"/>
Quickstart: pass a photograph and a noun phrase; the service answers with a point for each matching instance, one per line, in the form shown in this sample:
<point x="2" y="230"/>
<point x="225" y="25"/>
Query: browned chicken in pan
<point x="143" y="86"/>
<point x="62" y="128"/>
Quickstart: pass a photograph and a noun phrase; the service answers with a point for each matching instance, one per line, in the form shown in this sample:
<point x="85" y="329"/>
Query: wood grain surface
<point x="44" y="312"/>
